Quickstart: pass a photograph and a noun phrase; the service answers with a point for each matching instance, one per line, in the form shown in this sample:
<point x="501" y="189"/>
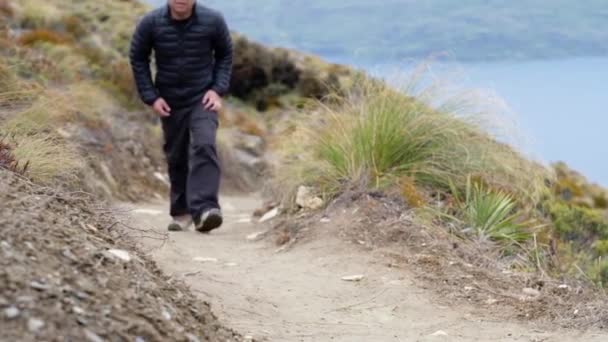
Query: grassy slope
<point x="466" y="30"/>
<point x="377" y="139"/>
<point x="92" y="37"/>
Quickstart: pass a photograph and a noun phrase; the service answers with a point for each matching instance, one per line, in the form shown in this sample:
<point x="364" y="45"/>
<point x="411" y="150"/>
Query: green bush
<point x="598" y="273"/>
<point x="601" y="248"/>
<point x="490" y="214"/>
<point x="578" y="224"/>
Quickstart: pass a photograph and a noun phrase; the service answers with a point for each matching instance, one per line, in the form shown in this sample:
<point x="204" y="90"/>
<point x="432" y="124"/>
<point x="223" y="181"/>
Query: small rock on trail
<point x="34" y="324"/>
<point x="270" y="215"/>
<point x="12" y="312"/>
<point x="119" y="254"/>
<point x="354" y="278"/>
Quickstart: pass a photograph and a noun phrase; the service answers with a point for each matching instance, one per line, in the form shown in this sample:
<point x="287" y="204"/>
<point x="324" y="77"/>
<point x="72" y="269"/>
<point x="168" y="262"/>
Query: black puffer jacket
<point x="192" y="56"/>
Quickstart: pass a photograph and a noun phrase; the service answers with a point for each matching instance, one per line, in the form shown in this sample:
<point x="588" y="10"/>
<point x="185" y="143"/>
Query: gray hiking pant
<point x="194" y="168"/>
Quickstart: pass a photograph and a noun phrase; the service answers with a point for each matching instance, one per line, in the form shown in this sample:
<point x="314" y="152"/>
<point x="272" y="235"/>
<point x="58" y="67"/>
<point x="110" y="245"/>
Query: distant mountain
<point x="396" y="29"/>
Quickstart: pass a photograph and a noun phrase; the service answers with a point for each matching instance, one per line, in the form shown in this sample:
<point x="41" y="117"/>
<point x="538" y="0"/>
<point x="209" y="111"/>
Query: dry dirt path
<point x="299" y="295"/>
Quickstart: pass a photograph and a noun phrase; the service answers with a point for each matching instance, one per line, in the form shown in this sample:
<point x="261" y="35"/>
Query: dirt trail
<point x="299" y="295"/>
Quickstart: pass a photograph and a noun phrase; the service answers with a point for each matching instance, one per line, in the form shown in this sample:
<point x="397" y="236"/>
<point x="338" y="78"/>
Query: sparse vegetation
<point x="47" y="158"/>
<point x="375" y="135"/>
<point x="43" y="35"/>
<point x="488" y="214"/>
<point x="436" y="156"/>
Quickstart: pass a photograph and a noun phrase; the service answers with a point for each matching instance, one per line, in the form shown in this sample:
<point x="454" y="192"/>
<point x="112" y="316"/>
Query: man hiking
<point x="193" y="53"/>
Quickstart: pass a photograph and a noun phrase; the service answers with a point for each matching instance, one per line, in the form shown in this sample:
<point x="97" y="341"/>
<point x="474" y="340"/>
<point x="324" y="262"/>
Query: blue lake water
<point x="561" y="104"/>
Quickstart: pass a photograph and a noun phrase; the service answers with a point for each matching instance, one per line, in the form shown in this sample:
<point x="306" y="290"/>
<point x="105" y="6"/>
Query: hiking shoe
<point x="180" y="223"/>
<point x="209" y="220"/>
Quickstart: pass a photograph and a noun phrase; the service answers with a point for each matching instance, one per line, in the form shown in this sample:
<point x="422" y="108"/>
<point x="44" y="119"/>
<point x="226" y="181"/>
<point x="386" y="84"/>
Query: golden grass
<point x="375" y="135"/>
<point x="43" y="35"/>
<point x="46" y="157"/>
<point x="82" y="103"/>
<point x="37" y="13"/>
<point x="246" y="124"/>
<point x="13" y="90"/>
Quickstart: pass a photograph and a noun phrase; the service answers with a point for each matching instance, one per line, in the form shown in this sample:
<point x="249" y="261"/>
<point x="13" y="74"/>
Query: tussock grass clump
<point x="31" y="132"/>
<point x="47" y="157"/>
<point x="13" y="90"/>
<point x="82" y="103"/>
<point x="38" y="13"/>
<point x="375" y="135"/>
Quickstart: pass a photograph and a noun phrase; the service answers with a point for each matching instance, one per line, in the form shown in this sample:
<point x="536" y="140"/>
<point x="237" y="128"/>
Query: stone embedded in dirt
<point x="268" y="206"/>
<point x="39" y="286"/>
<point x="166" y="314"/>
<point x="231" y="264"/>
<point x="306" y="200"/>
<point x="35" y="324"/>
<point x="248" y="338"/>
<point x="202" y="259"/>
<point x="439" y="333"/>
<point x="270" y="215"/>
<point x="250" y="143"/>
<point x="82" y="321"/>
<point x="81" y="295"/>
<point x="249" y="161"/>
<point x="255" y="236"/>
<point x="68" y="254"/>
<point x="192" y="338"/>
<point x="530" y="292"/>
<point x="91" y="227"/>
<point x="119" y="254"/>
<point x="491" y="301"/>
<point x="25" y="299"/>
<point x="325" y="220"/>
<point x="12" y="312"/>
<point x="564" y="287"/>
<point x="146" y="211"/>
<point x="107" y="174"/>
<point x="91" y="336"/>
<point x="357" y="277"/>
<point x="161" y="177"/>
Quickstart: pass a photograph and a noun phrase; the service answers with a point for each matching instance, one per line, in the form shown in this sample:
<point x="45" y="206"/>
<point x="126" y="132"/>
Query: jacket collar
<point x="167" y="13"/>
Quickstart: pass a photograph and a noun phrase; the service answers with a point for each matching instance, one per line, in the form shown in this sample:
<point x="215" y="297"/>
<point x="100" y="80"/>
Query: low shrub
<point x="489" y="214"/>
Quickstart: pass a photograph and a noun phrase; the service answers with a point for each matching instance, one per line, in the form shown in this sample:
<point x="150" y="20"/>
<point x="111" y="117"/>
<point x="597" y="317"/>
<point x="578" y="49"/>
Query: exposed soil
<point x="457" y="270"/>
<point x="59" y="282"/>
<point x="296" y="292"/>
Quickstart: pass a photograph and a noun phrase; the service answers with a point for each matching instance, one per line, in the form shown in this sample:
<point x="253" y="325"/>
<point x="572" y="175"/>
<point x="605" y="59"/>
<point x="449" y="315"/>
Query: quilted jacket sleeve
<point x="222" y="45"/>
<point x="139" y="55"/>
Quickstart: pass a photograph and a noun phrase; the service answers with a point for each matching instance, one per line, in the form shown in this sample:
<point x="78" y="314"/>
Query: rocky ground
<point x="69" y="273"/>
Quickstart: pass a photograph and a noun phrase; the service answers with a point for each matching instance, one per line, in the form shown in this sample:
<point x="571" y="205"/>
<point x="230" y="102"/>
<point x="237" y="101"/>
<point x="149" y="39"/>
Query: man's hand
<point x="212" y="101"/>
<point x="161" y="107"/>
